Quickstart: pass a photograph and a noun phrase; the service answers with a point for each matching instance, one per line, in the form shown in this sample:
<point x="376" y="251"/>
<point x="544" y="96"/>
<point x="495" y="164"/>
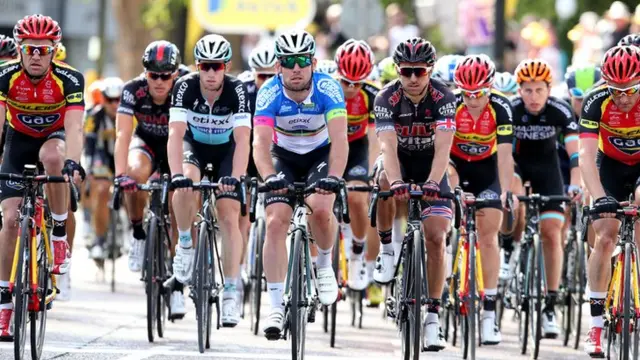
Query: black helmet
<point x="415" y="50"/>
<point x="8" y="47"/>
<point x="631" y="39"/>
<point x="161" y="56"/>
<point x="183" y="70"/>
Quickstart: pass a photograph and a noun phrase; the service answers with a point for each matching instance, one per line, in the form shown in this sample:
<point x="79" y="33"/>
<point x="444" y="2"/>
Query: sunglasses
<point x="156" y="76"/>
<point x="576" y="93"/>
<point x="418" y="71"/>
<point x="351" y="84"/>
<point x="41" y="50"/>
<point x="265" y="76"/>
<point x="476" y="93"/>
<point x="206" y="66"/>
<point x="289" y="62"/>
<point x="631" y="90"/>
<point x="111" y="100"/>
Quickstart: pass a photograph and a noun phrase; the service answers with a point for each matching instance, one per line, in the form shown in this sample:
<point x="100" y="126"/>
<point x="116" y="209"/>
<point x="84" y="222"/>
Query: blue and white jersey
<point x="300" y="127"/>
<point x="210" y="124"/>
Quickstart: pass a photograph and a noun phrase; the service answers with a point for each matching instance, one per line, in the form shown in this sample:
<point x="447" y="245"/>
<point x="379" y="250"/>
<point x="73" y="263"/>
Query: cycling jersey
<point x="38" y="110"/>
<point x="477" y="140"/>
<point x="300" y="127"/>
<point x="618" y="133"/>
<point x="210" y="124"/>
<point x="536" y="135"/>
<point x="100" y="135"/>
<point x="152" y="119"/>
<point x="415" y="124"/>
<point x="252" y="90"/>
<point x="360" y="111"/>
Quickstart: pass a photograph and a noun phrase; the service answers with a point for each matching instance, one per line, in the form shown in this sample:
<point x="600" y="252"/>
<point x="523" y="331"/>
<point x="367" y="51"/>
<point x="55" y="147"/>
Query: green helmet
<point x="387" y="69"/>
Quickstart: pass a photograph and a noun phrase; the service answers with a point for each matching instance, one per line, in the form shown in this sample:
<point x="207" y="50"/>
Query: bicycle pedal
<point x="173" y="317"/>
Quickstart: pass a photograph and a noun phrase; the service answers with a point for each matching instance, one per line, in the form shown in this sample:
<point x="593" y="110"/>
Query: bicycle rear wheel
<point x="21" y="290"/>
<point x="38" y="319"/>
<point x="535" y="296"/>
<point x="200" y="281"/>
<point x="151" y="285"/>
<point x="256" y="276"/>
<point x="298" y="306"/>
<point x="336" y="270"/>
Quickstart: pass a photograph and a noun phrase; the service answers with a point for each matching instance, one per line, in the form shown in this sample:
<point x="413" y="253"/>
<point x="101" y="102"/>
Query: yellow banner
<point x="250" y="16"/>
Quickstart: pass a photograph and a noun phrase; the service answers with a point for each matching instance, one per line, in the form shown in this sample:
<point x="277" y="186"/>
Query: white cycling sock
<point x="324" y="258"/>
<point x="276" y="290"/>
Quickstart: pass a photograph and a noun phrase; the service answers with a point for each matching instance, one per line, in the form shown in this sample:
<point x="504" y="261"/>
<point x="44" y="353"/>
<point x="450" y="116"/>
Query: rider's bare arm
<point x="389" y="149"/>
<point x="262" y="139"/>
<point x="442" y="149"/>
<point x="74" y="133"/>
<point x="339" y="152"/>
<point x="588" y="167"/>
<point x="124" y="131"/>
<point x="505" y="166"/>
<point x="241" y="136"/>
<point x="177" y="129"/>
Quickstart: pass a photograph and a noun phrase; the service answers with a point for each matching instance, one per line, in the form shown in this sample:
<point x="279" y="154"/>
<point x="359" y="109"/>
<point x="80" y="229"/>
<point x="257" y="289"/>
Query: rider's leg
<point x="324" y="227"/>
<point x="358" y="209"/>
<point x="488" y="222"/>
<point x="139" y="168"/>
<point x="100" y="211"/>
<point x="228" y="210"/>
<point x="386" y="261"/>
<point x="508" y="236"/>
<point x="185" y="200"/>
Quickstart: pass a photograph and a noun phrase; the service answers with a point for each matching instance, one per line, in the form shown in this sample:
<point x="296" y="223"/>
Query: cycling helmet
<point x="95" y="91"/>
<point x="328" y="67"/>
<point x="213" y="48"/>
<point x="295" y="42"/>
<point x="112" y="87"/>
<point x="474" y="72"/>
<point x="8" y="47"/>
<point x="246" y="76"/>
<point x="38" y="27"/>
<point x="375" y="74"/>
<point x="530" y="70"/>
<point x="183" y="70"/>
<point x="415" y="50"/>
<point x="161" y="56"/>
<point x="354" y="59"/>
<point x="621" y="64"/>
<point x="61" y="52"/>
<point x="445" y="67"/>
<point x="581" y="79"/>
<point x="262" y="57"/>
<point x="387" y="69"/>
<point x="505" y="82"/>
<point x="631" y="39"/>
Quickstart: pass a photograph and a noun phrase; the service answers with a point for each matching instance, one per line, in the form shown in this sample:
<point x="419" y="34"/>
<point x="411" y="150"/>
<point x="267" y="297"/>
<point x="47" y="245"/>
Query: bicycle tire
<point x="162" y="270"/>
<point x="636" y="330"/>
<point x="522" y="295"/>
<point x="536" y="299"/>
<point x="464" y="329"/>
<point x="403" y="293"/>
<point x="113" y="228"/>
<point x="416" y="325"/>
<point x="215" y="261"/>
<point x="200" y="287"/>
<point x="471" y="300"/>
<point x="625" y="338"/>
<point x="297" y="311"/>
<point x="580" y="279"/>
<point x="335" y="263"/>
<point x="566" y="292"/>
<point x="38" y="319"/>
<point x="151" y="286"/>
<point x="256" y="276"/>
<point x="21" y="290"/>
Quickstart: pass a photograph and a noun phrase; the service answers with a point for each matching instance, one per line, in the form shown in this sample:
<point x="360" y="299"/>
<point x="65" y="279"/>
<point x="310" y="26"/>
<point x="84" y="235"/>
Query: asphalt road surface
<point x="100" y="325"/>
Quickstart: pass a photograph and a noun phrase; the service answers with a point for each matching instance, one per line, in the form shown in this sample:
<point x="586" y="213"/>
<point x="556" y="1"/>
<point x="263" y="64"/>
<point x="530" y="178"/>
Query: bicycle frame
<point x="207" y="215"/>
<point x="299" y="223"/>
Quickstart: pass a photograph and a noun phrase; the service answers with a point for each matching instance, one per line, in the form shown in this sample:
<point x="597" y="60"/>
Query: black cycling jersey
<point x="153" y="119"/>
<point x="415" y="124"/>
<point x="536" y="136"/>
<point x="100" y="132"/>
<point x="210" y="124"/>
<point x="252" y="89"/>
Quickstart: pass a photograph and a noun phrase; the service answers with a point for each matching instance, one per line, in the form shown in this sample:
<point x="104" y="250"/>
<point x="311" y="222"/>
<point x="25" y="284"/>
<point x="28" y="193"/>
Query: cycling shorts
<point x="21" y="150"/>
<point x="103" y="163"/>
<point x="545" y="179"/>
<point x="156" y="151"/>
<point x="358" y="162"/>
<point x="479" y="178"/>
<point x="219" y="156"/>
<point x="618" y="179"/>
<point x="419" y="174"/>
<point x="308" y="168"/>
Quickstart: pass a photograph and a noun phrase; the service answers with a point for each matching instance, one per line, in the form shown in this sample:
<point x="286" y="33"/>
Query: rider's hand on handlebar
<point x="126" y="183"/>
<point x="228" y="184"/>
<point x="328" y="185"/>
<point x="277" y="184"/>
<point x="179" y="182"/>
<point x="431" y="190"/>
<point x="606" y="206"/>
<point x="73" y="170"/>
<point x="400" y="190"/>
<point x="514" y="200"/>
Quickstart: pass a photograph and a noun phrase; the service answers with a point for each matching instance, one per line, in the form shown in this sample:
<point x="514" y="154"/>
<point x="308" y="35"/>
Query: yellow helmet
<point x="61" y="52"/>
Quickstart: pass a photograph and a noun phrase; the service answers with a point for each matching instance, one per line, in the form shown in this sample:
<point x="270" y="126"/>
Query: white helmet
<point x="445" y="68"/>
<point x="112" y="87"/>
<point x="262" y="57"/>
<point x="505" y="82"/>
<point x="326" y="66"/>
<point x="212" y="48"/>
<point x="295" y="42"/>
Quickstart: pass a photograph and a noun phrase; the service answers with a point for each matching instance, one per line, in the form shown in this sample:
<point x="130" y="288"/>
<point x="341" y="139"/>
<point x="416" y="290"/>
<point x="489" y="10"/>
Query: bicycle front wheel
<point x="38" y="319"/>
<point x="415" y="315"/>
<point x="472" y="298"/>
<point x="535" y="296"/>
<point x="525" y="263"/>
<point x="298" y="306"/>
<point x="200" y="280"/>
<point x="256" y="275"/>
<point x="151" y="285"/>
<point x="163" y="257"/>
<point x="21" y="290"/>
<point x="336" y="270"/>
<point x="113" y="246"/>
<point x="625" y="339"/>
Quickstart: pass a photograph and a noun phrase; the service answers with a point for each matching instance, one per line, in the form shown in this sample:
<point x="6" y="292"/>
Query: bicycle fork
<point x="616" y="288"/>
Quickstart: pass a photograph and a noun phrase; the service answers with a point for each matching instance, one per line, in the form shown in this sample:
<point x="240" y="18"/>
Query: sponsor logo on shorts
<point x="358" y="170"/>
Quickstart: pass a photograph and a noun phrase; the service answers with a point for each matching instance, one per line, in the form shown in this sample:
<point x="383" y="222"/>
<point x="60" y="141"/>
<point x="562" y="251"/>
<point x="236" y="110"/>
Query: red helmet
<point x="355" y="60"/>
<point x="37" y="27"/>
<point x="474" y="72"/>
<point x="621" y="64"/>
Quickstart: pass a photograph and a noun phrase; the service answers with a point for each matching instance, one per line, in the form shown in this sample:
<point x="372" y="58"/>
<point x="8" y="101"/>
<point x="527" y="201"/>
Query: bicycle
<point x="157" y="254"/>
<point x="574" y="278"/>
<point x="257" y="281"/>
<point x="622" y="304"/>
<point x="32" y="284"/>
<point x="406" y="300"/>
<point x="300" y="293"/>
<point x="466" y="284"/>
<point x="530" y="282"/>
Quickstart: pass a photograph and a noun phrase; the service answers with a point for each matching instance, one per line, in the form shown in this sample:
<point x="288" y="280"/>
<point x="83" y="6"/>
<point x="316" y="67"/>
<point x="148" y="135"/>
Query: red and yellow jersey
<point x="360" y="111"/>
<point x="618" y="133"/>
<point x="38" y="110"/>
<point x="477" y="140"/>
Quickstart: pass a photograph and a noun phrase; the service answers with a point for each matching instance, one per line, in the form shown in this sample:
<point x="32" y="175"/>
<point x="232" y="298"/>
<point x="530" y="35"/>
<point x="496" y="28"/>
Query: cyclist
<point x="300" y="135"/>
<point x="210" y="111"/>
<point x="444" y="69"/>
<point x="387" y="70"/>
<point x="100" y="134"/>
<point x="631" y="39"/>
<point x="327" y="66"/>
<point x="481" y="155"/>
<point x="506" y="83"/>
<point x="354" y="61"/>
<point x="37" y="134"/>
<point x="8" y="52"/>
<point x="415" y="125"/>
<point x="537" y="118"/>
<point x="610" y="167"/>
<point x="139" y="153"/>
